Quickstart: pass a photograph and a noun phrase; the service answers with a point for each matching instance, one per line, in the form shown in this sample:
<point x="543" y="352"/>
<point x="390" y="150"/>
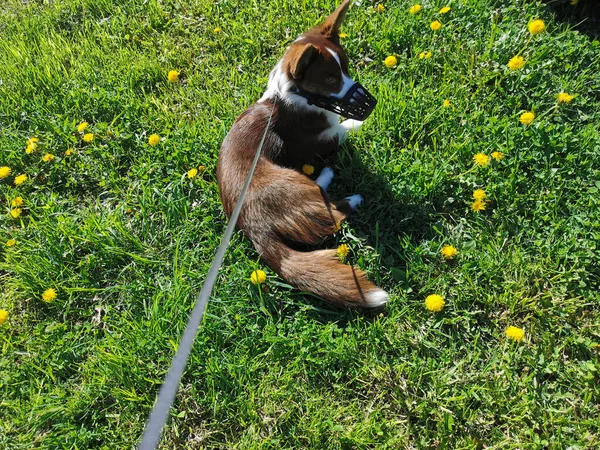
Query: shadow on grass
<point x="584" y="16"/>
<point x="392" y="221"/>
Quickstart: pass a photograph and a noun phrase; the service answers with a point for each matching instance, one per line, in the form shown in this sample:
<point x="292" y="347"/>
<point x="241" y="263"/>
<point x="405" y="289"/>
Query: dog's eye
<point x="330" y="79"/>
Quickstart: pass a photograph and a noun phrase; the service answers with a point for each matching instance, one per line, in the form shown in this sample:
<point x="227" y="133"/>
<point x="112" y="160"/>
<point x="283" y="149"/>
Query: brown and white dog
<point x="284" y="209"/>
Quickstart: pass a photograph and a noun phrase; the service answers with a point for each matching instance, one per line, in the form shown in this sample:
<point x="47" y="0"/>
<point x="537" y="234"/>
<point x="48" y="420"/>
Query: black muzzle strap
<point x="358" y="103"/>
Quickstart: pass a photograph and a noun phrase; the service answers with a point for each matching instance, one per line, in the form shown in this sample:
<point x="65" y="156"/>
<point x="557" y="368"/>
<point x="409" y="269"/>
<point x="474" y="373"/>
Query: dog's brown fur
<point x="283" y="207"/>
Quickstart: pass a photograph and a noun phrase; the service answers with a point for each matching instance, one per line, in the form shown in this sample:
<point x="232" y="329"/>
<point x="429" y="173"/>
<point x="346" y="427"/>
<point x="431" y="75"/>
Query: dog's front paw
<point x="324" y="178"/>
<point x="351" y="125"/>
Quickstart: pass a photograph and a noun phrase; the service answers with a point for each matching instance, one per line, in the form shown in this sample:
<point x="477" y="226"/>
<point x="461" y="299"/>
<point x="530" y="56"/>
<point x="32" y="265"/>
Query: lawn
<point x="107" y="239"/>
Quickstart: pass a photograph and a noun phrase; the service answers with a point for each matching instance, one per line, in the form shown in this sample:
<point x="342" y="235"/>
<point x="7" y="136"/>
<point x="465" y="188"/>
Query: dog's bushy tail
<point x="321" y="273"/>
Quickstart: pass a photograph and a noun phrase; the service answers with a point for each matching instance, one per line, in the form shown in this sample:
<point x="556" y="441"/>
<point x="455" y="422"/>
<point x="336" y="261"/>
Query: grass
<point x="126" y="238"/>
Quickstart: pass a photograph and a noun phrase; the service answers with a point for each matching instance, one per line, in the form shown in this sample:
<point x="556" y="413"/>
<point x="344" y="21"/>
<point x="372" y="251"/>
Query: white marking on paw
<point x="355" y="201"/>
<point x="324" y="178"/>
<point x="334" y="131"/>
<point x="351" y="125"/>
<point x="376" y="299"/>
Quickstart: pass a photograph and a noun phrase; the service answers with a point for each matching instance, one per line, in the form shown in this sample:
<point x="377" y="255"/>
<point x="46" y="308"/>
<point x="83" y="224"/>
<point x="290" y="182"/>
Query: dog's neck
<point x="282" y="88"/>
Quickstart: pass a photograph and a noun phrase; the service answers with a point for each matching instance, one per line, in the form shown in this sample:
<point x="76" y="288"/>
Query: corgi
<point x="308" y="90"/>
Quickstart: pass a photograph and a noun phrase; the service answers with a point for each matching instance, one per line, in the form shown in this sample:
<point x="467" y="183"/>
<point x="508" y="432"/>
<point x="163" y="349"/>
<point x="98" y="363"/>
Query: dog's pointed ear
<point x="330" y="28"/>
<point x="300" y="59"/>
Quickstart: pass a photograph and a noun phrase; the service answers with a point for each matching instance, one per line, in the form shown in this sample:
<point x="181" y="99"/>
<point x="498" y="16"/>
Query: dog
<point x="284" y="210"/>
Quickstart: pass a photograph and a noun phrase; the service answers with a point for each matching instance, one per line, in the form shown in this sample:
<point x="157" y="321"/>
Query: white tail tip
<point x="376" y="299"/>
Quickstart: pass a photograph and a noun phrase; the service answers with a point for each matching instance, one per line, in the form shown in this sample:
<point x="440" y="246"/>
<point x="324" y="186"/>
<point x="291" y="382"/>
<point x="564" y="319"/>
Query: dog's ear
<point x="300" y="59"/>
<point x="330" y="28"/>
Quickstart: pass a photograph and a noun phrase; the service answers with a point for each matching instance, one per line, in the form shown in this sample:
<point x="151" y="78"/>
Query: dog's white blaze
<point x="347" y="82"/>
<point x="346" y="85"/>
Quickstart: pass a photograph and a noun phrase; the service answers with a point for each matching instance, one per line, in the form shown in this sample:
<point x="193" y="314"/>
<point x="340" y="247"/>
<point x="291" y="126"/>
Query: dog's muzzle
<point x="357" y="103"/>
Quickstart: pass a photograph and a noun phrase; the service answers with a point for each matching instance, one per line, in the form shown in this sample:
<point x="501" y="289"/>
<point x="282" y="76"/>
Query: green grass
<point x="126" y="239"/>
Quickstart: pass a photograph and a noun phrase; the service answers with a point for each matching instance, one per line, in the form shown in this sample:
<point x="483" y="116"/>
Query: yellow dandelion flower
<point x="445" y="10"/>
<point x="201" y="168"/>
<point x="342" y="251"/>
<point x="49" y="295"/>
<point x="434" y="302"/>
<point x="5" y="171"/>
<point x="14" y="213"/>
<point x="20" y="179"/>
<point x="82" y="127"/>
<point x="337" y="226"/>
<point x="481" y="159"/>
<point x="425" y="55"/>
<point x="88" y="137"/>
<point x="435" y="25"/>
<point x="479" y="194"/>
<point x="69" y="152"/>
<point x="498" y="156"/>
<point x="192" y="173"/>
<point x="217" y="30"/>
<point x="18" y="201"/>
<point x="3" y="316"/>
<point x="154" y="139"/>
<point x="527" y="118"/>
<point x="563" y="97"/>
<point x="449" y="252"/>
<point x="390" y="62"/>
<point x="30" y="148"/>
<point x="173" y="76"/>
<point x="307" y="169"/>
<point x="48" y="157"/>
<point x="446" y="103"/>
<point x="516" y="63"/>
<point x="536" y="26"/>
<point x="478" y="205"/>
<point x="32" y="141"/>
<point x="343" y="35"/>
<point x="380" y="8"/>
<point x="258" y="277"/>
<point x="414" y="9"/>
<point x="515" y="333"/>
<point x="11" y="242"/>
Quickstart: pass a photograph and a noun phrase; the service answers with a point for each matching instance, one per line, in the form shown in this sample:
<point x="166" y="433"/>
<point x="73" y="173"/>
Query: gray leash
<point x="166" y="396"/>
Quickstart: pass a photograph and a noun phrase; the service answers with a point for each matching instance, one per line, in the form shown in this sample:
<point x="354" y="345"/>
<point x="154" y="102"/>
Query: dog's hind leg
<point x="354" y="201"/>
<point x="348" y="205"/>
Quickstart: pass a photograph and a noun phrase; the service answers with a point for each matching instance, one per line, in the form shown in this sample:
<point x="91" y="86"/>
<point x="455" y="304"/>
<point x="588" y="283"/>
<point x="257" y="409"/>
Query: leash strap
<point x="160" y="413"/>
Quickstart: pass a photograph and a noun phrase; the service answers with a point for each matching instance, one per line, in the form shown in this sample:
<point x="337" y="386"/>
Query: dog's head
<point x="316" y="62"/>
<point x="317" y="65"/>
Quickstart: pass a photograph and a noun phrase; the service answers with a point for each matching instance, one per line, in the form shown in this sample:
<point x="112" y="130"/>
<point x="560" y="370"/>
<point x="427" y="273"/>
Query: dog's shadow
<point x="391" y="220"/>
<point x="389" y="213"/>
<point x="383" y="233"/>
<point x="584" y="15"/>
